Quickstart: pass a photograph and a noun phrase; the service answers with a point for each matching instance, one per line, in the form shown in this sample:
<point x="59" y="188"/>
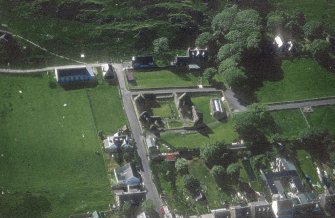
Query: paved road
<point x="39" y="70"/>
<point x="300" y="104"/>
<point x="137" y="134"/>
<point x="234" y="102"/>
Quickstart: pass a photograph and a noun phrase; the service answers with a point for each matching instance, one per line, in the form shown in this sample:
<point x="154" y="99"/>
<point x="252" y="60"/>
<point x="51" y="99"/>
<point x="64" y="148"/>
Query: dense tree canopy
<point x="234" y="76"/>
<point x="181" y="165"/>
<point x="313" y="29"/>
<point x="212" y="153"/>
<point x="233" y="168"/>
<point x="254" y="126"/>
<point x="209" y="73"/>
<point x="161" y="45"/>
<point x="319" y="48"/>
<point x="229" y="50"/>
<point x="203" y="40"/>
<point x="222" y="22"/>
<point x="275" y="21"/>
<point x="218" y="172"/>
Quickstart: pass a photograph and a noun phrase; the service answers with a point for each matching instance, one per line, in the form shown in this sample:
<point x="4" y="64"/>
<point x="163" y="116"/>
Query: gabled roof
<point x="124" y="175"/>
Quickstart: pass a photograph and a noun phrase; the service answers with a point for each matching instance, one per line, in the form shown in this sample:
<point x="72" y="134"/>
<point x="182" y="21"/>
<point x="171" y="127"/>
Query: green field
<point x="323" y="117"/>
<point x="49" y="147"/>
<point x="303" y="79"/>
<point x="165" y="78"/>
<point x="290" y="122"/>
<point x="323" y="10"/>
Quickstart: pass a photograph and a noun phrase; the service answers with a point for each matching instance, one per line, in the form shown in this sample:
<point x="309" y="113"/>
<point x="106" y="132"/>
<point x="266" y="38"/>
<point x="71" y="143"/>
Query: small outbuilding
<point x="217" y="110"/>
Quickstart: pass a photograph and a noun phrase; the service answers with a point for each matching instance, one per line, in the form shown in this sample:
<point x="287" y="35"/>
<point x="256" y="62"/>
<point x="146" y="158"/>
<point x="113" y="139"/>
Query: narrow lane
<point x="137" y="134"/>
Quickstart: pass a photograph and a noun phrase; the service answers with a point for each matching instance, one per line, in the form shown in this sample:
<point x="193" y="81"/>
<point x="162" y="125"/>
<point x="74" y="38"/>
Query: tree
<point x="320" y="49"/>
<point x="218" y="172"/>
<point x="275" y="21"/>
<point x="212" y="153"/>
<point x="210" y="73"/>
<point x="261" y="161"/>
<point x="317" y="140"/>
<point x="191" y="183"/>
<point x="254" y="125"/>
<point x="230" y="50"/>
<point x="234" y="76"/>
<point x="226" y="64"/>
<point x="222" y="22"/>
<point x="246" y="29"/>
<point x="315" y="136"/>
<point x="181" y="166"/>
<point x="161" y="45"/>
<point x="203" y="39"/>
<point x="313" y="29"/>
<point x="233" y="169"/>
<point x="253" y="40"/>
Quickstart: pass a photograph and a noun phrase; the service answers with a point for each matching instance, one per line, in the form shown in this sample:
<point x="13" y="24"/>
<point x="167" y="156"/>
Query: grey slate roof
<point x="124" y="175"/>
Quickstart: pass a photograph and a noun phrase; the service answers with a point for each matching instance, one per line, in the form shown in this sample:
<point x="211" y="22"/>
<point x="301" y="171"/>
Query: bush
<point x="181" y="166"/>
<point x="218" y="172"/>
<point x="191" y="183"/>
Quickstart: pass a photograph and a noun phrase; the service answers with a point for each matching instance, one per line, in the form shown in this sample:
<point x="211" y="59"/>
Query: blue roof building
<point x="74" y="74"/>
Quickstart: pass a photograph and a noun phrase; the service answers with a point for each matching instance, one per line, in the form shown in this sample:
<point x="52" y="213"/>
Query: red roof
<point x="170" y="157"/>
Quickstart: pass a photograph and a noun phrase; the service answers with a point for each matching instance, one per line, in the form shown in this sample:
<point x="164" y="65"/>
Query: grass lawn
<point x="165" y="78"/>
<point x="322" y="10"/>
<point x="290" y="122"/>
<point x="220" y="131"/>
<point x="107" y="110"/>
<point x="306" y="165"/>
<point x="323" y="117"/>
<point x="52" y="150"/>
<point x="303" y="79"/>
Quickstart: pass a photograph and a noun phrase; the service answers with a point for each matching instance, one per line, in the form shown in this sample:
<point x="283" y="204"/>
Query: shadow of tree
<point x="24" y="205"/>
